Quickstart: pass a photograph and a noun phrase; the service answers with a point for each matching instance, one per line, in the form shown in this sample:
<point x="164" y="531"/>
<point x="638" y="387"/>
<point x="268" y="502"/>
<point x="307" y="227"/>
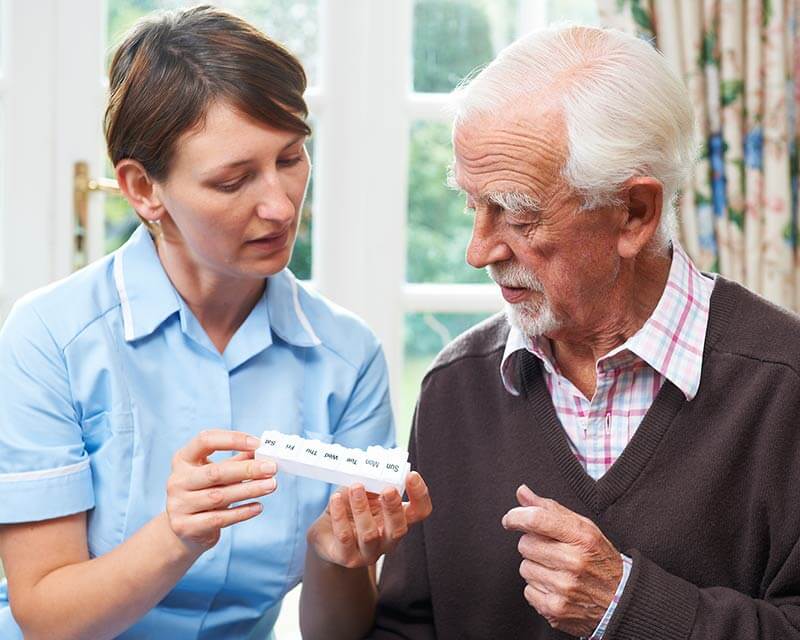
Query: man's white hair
<point x="627" y="114"/>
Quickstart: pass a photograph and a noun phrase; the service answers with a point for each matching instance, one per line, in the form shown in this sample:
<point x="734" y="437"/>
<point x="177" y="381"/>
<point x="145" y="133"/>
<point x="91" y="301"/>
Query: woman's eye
<point x="230" y="187"/>
<point x="289" y="162"/>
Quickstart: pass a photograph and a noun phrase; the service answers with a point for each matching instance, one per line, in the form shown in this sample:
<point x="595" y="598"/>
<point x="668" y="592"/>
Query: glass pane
<point x="121" y="221"/>
<point x="300" y="264"/>
<point x="425" y="336"/>
<point x="438" y="228"/>
<point x="581" y="11"/>
<point x="294" y="23"/>
<point x="453" y="37"/>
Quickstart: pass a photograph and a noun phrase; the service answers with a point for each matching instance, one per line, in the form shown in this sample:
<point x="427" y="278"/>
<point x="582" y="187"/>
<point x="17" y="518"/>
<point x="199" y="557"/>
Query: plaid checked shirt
<point x="668" y="346"/>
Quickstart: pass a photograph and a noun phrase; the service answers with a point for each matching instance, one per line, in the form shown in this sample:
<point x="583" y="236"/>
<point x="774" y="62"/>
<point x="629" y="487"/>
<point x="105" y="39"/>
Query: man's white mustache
<point x="514" y="276"/>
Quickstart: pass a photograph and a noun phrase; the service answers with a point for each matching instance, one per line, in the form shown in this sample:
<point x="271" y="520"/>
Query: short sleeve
<point x="44" y="467"/>
<point x="367" y="418"/>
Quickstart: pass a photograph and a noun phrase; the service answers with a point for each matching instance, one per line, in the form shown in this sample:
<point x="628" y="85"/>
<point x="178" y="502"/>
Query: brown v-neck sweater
<point x="705" y="497"/>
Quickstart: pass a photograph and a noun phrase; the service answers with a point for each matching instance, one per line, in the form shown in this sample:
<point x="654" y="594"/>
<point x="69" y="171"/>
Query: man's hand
<point x="571" y="569"/>
<point x="357" y="528"/>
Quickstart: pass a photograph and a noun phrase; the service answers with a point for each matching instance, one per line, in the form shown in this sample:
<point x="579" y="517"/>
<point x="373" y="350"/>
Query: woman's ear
<point x="139" y="190"/>
<point x="644" y="200"/>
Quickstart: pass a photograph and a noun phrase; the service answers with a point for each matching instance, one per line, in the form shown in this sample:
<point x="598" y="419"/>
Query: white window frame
<point x="53" y="89"/>
<point x="364" y="113"/>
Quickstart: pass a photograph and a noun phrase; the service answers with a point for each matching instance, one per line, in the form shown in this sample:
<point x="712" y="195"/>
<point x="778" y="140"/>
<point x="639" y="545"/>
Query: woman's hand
<point x="200" y="493"/>
<point x="358" y="527"/>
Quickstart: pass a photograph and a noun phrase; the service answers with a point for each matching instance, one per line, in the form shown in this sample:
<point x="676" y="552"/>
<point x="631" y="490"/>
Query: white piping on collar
<point x="300" y="314"/>
<point x="119" y="281"/>
<point x="43" y="474"/>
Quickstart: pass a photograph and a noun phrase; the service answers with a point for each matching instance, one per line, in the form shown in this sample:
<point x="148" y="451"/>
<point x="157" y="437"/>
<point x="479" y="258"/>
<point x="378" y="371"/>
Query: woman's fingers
<point x="419" y="504"/>
<point x="244" y="455"/>
<point x="215" y="520"/>
<point x="367" y="530"/>
<point x="216" y="474"/>
<point x="207" y="442"/>
<point x="221" y="497"/>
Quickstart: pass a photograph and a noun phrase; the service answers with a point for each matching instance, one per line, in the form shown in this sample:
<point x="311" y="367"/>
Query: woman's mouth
<point x="270" y="243"/>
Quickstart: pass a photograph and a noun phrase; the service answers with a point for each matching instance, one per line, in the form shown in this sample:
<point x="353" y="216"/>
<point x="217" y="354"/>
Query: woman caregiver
<point x="131" y="392"/>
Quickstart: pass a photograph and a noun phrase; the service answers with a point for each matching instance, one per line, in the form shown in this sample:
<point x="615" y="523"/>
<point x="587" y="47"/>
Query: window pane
<point x="121" y="222"/>
<point x="453" y="37"/>
<point x="300" y="263"/>
<point x="581" y="11"/>
<point x="438" y="227"/>
<point x="294" y="23"/>
<point x="426" y="334"/>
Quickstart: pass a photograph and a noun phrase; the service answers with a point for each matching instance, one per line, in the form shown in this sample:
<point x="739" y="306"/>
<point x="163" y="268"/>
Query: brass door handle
<point x="82" y="186"/>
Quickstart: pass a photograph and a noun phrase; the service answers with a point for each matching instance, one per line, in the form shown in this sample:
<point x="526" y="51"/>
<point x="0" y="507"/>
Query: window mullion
<point x="359" y="228"/>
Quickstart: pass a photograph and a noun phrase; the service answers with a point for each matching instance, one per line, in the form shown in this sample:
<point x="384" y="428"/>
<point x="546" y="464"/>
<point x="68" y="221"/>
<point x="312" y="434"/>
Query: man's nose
<point x="486" y="246"/>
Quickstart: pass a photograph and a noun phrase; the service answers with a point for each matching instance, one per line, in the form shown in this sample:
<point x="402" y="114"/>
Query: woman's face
<point x="234" y="195"/>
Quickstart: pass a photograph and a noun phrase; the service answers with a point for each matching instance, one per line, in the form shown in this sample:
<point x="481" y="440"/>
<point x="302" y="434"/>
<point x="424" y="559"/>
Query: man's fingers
<point x="228" y="472"/>
<point x="395" y="525"/>
<point x="340" y="523"/>
<point x="547" y="552"/>
<point x="550" y="524"/>
<point x="367" y="530"/>
<point x="543" y="578"/>
<point x="527" y="498"/>
<point x="419" y="504"/>
<point x="207" y="442"/>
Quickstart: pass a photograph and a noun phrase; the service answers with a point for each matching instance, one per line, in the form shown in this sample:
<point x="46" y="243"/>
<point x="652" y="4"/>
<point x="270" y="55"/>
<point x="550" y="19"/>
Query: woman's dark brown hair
<point x="172" y="66"/>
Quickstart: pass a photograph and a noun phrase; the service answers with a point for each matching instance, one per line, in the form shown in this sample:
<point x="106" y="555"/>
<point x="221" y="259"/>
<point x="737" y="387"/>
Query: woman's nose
<point x="275" y="204"/>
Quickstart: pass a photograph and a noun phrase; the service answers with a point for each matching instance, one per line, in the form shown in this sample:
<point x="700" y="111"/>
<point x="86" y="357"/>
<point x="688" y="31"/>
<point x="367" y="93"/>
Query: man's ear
<point x="139" y="190"/>
<point x="643" y="201"/>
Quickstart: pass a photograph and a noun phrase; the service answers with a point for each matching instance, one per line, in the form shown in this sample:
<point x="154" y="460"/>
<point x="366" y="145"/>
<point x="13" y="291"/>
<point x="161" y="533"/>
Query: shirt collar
<point x="148" y="298"/>
<point x="146" y="295"/>
<point x="671" y="341"/>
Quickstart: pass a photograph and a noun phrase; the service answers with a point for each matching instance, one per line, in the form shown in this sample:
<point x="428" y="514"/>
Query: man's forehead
<point x="506" y="154"/>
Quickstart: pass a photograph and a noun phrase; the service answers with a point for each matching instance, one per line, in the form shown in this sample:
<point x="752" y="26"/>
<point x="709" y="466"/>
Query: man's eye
<point x="516" y="219"/>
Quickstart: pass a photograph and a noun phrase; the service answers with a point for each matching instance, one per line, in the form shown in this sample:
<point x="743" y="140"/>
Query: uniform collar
<point x="148" y="298"/>
<point x="670" y="341"/>
<point x="146" y="295"/>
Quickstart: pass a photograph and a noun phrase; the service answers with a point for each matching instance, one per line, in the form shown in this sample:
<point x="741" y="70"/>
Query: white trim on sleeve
<point x="43" y="474"/>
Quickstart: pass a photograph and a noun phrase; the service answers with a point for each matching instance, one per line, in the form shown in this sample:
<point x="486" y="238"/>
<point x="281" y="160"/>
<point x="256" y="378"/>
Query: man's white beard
<point x="533" y="320"/>
<point x="532" y="317"/>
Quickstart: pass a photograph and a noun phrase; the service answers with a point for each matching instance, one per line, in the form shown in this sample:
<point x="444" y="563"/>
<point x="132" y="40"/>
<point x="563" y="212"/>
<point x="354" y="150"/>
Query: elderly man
<point x="633" y="419"/>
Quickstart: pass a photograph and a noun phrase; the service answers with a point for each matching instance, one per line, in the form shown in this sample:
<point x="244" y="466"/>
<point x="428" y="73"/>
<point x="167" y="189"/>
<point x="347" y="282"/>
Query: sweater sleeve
<point x="661" y="606"/>
<point x="404" y="601"/>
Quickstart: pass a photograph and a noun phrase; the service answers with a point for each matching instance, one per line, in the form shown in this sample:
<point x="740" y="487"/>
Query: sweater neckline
<point x="599" y="494"/>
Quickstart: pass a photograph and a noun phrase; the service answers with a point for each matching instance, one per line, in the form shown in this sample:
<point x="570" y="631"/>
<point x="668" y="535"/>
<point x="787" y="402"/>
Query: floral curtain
<point x="738" y="212"/>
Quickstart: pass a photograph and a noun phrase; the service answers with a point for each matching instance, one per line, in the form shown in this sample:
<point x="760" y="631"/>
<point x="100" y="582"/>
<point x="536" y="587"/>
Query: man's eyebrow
<point x="514" y="201"/>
